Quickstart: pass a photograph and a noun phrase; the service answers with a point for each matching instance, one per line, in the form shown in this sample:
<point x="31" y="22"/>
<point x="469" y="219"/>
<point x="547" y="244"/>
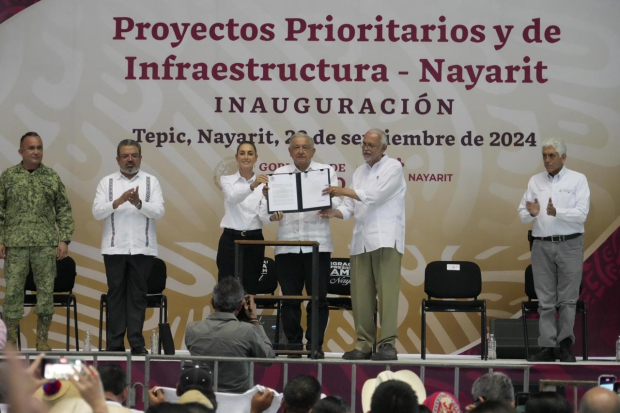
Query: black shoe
<point x="139" y="351"/>
<point x="385" y="352"/>
<point x="546" y="354"/>
<point x="320" y="355"/>
<point x="566" y="356"/>
<point x="355" y="354"/>
<point x="115" y="348"/>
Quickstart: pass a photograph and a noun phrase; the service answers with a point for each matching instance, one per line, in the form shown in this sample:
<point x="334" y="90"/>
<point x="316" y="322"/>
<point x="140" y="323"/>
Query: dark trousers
<point x="253" y="256"/>
<point x="295" y="270"/>
<point x="127" y="277"/>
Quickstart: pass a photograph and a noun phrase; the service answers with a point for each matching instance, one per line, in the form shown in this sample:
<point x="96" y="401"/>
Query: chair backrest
<point x="268" y="280"/>
<point x="157" y="277"/>
<point x="529" y="283"/>
<point x="339" y="281"/>
<point x="65" y="277"/>
<point x="452" y="279"/>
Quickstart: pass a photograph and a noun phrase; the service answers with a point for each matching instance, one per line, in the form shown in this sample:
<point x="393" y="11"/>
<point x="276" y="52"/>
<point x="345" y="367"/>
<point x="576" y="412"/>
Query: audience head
<point x="301" y="394"/>
<point x="228" y="295"/>
<point x="494" y="406"/>
<point x="331" y="404"/>
<point x="78" y="405"/>
<point x="56" y="391"/>
<point x="194" y="397"/>
<point x="600" y="400"/>
<point x="547" y="402"/>
<point x="195" y="377"/>
<point x="493" y="386"/>
<point x="394" y="396"/>
<point x="405" y="376"/>
<point x="114" y="381"/>
<point x="442" y="402"/>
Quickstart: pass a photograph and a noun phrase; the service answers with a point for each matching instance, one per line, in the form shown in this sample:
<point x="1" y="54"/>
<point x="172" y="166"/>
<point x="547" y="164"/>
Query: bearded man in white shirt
<point x="377" y="200"/>
<point x="129" y="201"/>
<point x="294" y="264"/>
<point x="557" y="201"/>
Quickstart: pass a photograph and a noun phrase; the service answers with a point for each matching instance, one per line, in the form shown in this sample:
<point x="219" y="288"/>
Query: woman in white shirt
<point x="243" y="194"/>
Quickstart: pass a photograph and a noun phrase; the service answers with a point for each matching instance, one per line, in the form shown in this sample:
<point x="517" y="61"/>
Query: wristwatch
<point x="139" y="205"/>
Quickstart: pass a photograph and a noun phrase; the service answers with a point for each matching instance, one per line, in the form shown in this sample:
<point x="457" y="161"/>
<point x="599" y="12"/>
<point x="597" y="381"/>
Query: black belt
<point x="243" y="233"/>
<point x="558" y="238"/>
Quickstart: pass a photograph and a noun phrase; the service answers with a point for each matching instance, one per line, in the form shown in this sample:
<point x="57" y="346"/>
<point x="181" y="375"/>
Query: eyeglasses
<point x="369" y="145"/>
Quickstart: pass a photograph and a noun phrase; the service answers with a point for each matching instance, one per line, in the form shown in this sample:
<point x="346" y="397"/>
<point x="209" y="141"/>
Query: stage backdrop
<point x="466" y="90"/>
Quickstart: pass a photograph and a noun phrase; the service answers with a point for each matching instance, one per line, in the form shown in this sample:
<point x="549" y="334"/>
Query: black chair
<point x="154" y="297"/>
<point x="339" y="289"/>
<point x="454" y="280"/>
<point x="63" y="296"/>
<point x="530" y="307"/>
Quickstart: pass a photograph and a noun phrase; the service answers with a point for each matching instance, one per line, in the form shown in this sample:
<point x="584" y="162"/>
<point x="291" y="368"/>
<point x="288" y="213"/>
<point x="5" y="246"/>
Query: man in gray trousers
<point x="557" y="201"/>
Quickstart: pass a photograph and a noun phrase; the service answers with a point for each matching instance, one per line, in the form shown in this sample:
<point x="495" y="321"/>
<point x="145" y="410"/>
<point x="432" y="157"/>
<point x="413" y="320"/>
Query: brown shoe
<point x="385" y="352"/>
<point x="356" y="354"/>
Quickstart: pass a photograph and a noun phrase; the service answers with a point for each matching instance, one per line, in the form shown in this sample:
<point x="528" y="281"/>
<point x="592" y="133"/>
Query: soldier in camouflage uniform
<point x="35" y="230"/>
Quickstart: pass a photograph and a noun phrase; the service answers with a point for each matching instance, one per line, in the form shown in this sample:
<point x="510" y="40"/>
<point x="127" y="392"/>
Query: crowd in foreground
<point x="105" y="389"/>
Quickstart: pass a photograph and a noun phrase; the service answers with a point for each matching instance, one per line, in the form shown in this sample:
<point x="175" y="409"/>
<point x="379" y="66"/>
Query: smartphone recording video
<point x="59" y="368"/>
<point x="607" y="381"/>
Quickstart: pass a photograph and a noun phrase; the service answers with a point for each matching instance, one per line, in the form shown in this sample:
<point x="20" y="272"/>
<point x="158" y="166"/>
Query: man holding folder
<point x="294" y="264"/>
<point x="377" y="200"/>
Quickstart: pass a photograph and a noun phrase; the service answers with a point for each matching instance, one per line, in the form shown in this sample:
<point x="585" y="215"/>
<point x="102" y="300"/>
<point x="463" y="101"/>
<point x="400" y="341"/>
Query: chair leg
<point x="75" y="321"/>
<point x="68" y="323"/>
<point x="161" y="319"/>
<point x="165" y="309"/>
<point x="584" y="320"/>
<point x="423" y="349"/>
<point x="483" y="339"/>
<point x="526" y="336"/>
<point x="276" y="340"/>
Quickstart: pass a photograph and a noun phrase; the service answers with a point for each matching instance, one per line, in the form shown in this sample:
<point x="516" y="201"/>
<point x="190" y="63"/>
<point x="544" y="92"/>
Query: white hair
<point x="555" y="143"/>
<point x="381" y="134"/>
<point x="302" y="135"/>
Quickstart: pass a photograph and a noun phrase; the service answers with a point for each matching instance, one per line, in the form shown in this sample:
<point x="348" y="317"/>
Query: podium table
<point x="314" y="298"/>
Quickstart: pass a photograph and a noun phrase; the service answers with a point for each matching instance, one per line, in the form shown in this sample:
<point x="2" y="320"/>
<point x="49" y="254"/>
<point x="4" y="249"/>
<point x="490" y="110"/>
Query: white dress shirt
<point x="241" y="204"/>
<point x="380" y="215"/>
<point x="127" y="229"/>
<point x="304" y="226"/>
<point x="570" y="194"/>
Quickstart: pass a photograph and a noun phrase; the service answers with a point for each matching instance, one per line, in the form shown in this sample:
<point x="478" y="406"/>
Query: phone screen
<point x="607" y="381"/>
<point x="59" y="368"/>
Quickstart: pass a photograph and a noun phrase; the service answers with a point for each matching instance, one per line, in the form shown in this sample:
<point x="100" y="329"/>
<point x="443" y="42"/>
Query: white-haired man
<point x="557" y="201"/>
<point x="377" y="200"/>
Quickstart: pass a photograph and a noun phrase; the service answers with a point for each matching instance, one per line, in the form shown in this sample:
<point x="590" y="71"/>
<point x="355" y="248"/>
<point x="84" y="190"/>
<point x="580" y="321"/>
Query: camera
<point x="59" y="368"/>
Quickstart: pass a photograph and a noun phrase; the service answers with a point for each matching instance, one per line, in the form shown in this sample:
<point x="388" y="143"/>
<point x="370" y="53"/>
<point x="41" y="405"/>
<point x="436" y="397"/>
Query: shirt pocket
<point x="48" y="191"/>
<point x="565" y="198"/>
<point x="542" y="193"/>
